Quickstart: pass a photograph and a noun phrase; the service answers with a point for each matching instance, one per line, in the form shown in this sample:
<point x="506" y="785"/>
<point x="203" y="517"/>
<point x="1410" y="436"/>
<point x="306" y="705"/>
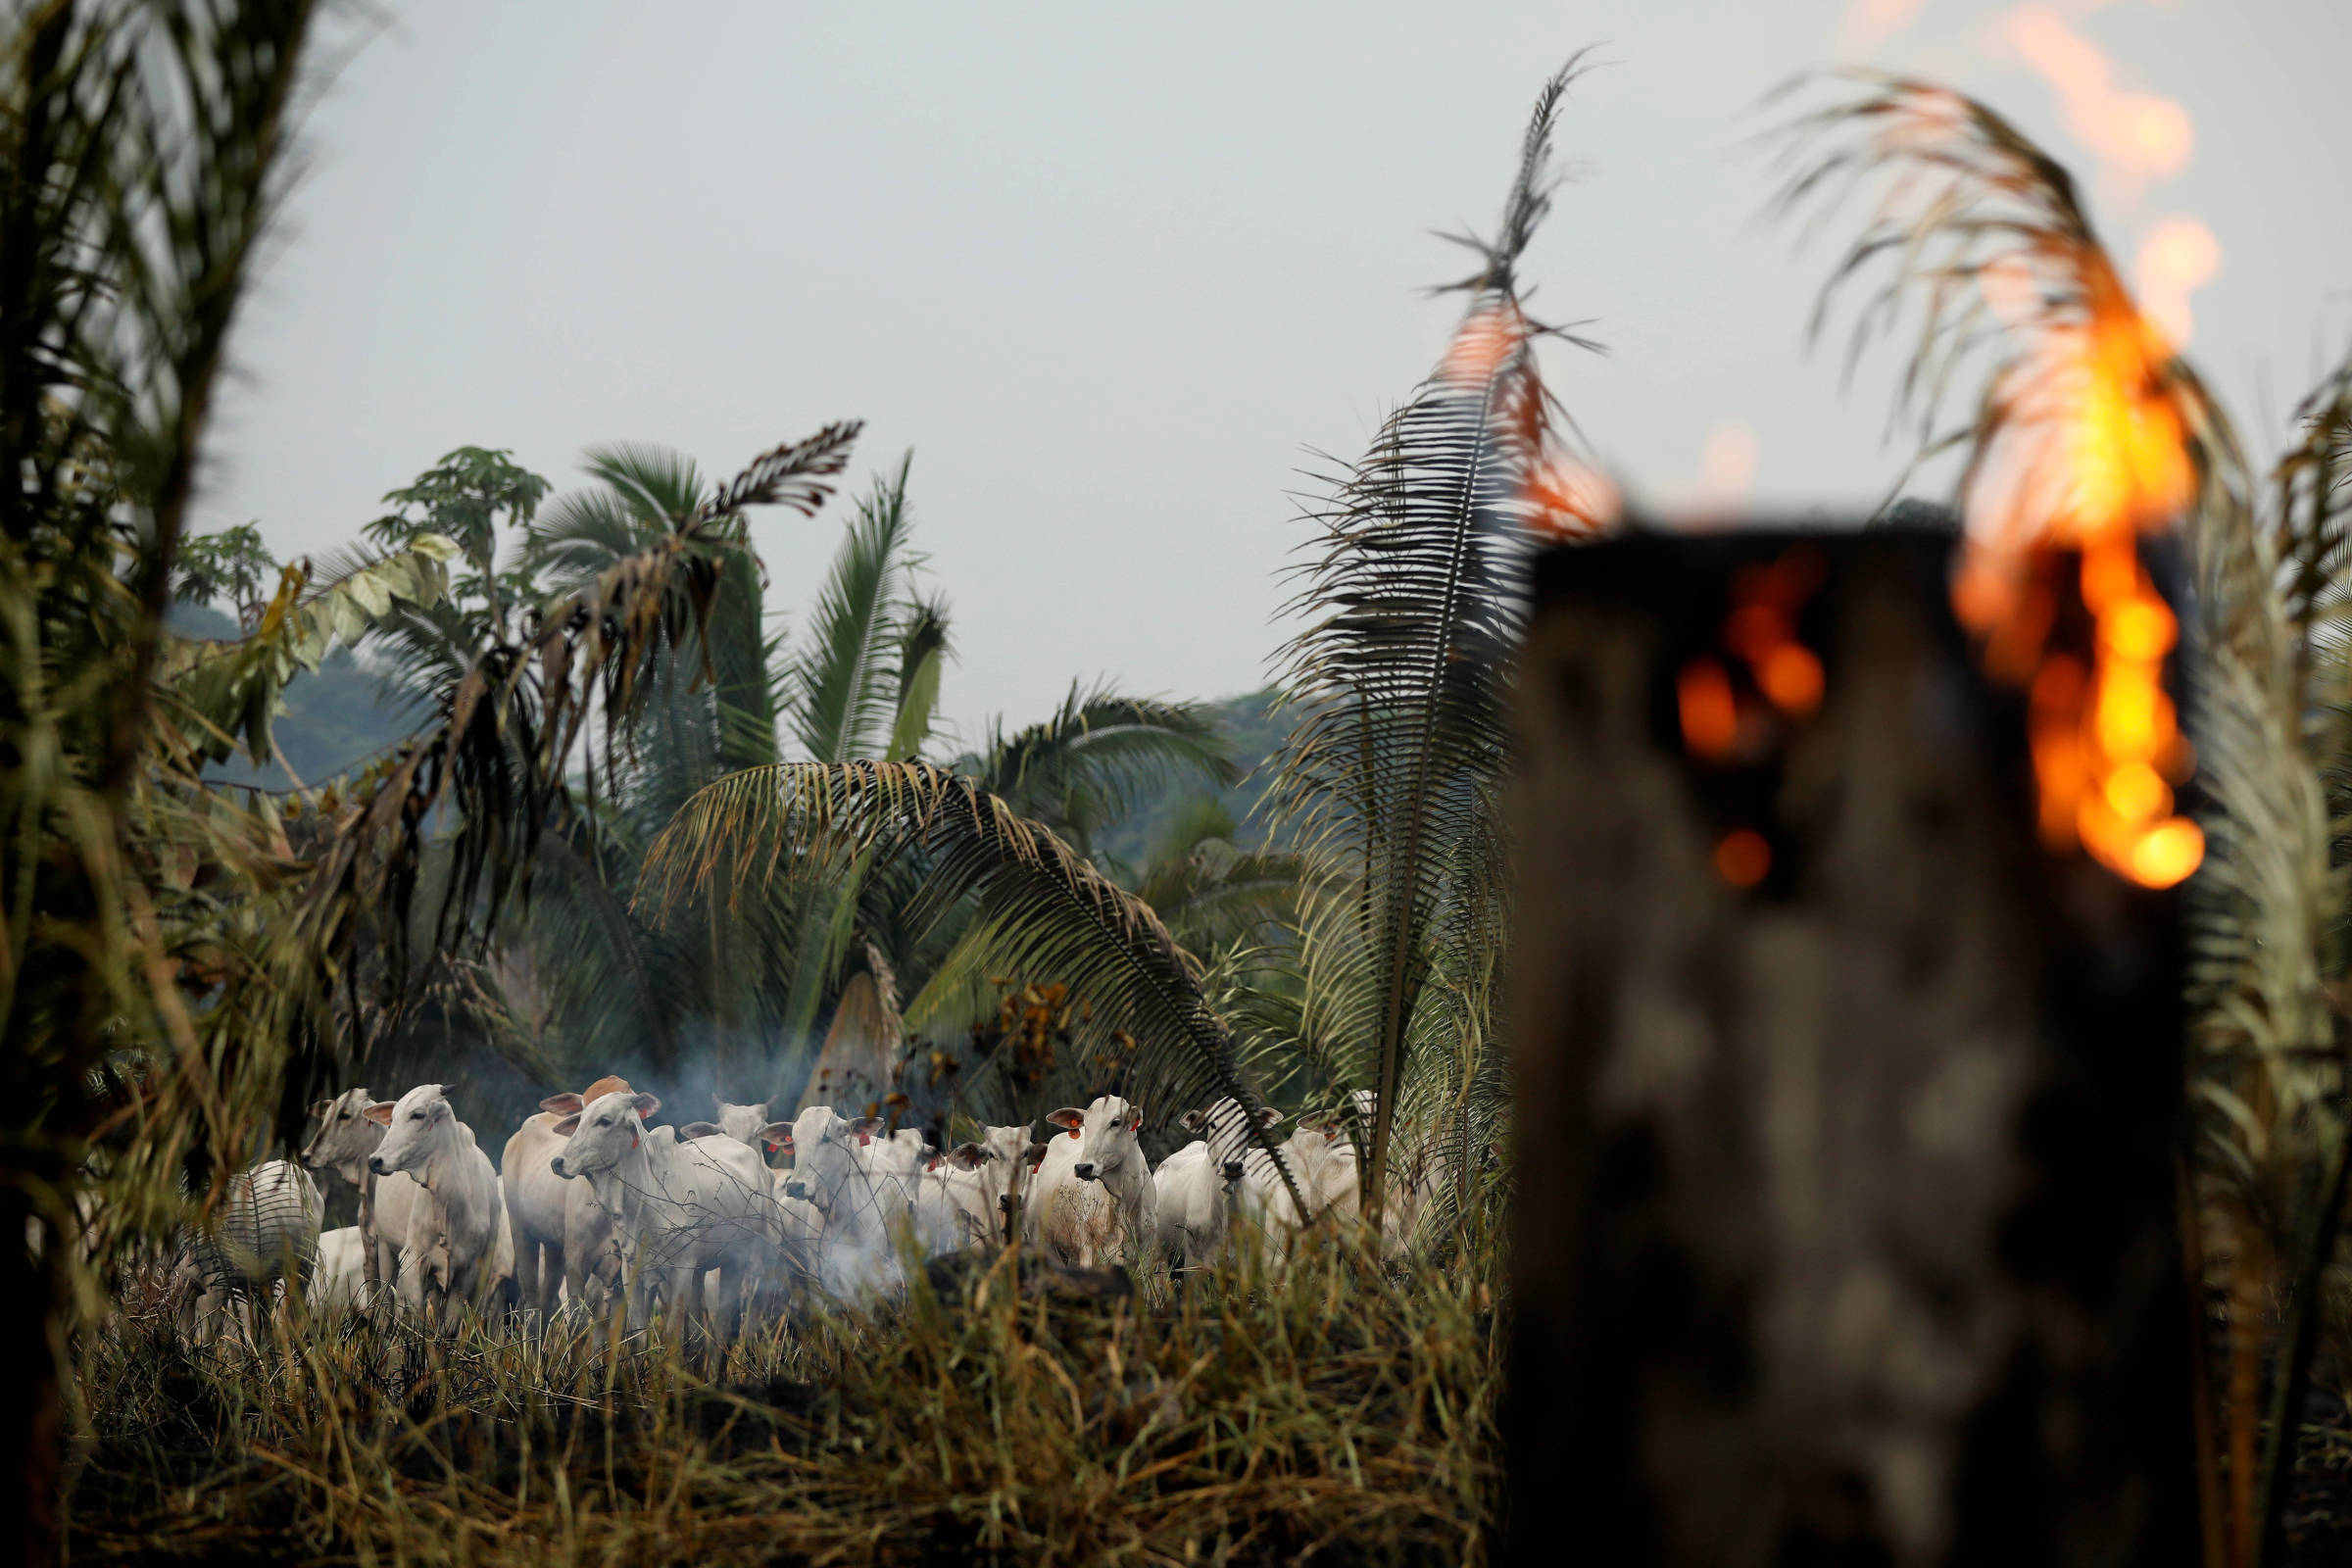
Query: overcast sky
<point x="1113" y="271"/>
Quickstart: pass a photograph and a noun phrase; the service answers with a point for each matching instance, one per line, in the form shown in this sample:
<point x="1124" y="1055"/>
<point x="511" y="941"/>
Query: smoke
<point x="2135" y="138"/>
<point x="2179" y="257"/>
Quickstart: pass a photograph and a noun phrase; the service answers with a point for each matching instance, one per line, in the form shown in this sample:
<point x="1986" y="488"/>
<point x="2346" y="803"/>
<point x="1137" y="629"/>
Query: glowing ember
<point x="2094" y="457"/>
<point x="1710" y="714"/>
<point x="1721" y="717"/>
<point x="1742" y="858"/>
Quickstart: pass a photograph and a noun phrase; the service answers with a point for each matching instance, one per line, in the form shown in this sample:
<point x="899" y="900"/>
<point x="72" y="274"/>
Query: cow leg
<point x="554" y="1268"/>
<point x="634" y="1288"/>
<point x="726" y="1313"/>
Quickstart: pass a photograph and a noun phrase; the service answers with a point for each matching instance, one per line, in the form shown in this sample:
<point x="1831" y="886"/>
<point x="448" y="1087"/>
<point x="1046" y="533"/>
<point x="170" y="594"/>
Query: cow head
<point x="823" y="1145"/>
<point x="608" y="1130"/>
<point x="743" y="1123"/>
<point x="344" y="1137"/>
<point x="1225" y="1126"/>
<point x="412" y="1126"/>
<point x="1106" y="1137"/>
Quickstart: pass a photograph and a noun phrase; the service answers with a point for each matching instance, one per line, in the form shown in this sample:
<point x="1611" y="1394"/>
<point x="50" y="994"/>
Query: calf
<point x="449" y="1254"/>
<point x="342" y="1143"/>
<point x="678" y="1209"/>
<point x="562" y="1239"/>
<point x="1091" y="1201"/>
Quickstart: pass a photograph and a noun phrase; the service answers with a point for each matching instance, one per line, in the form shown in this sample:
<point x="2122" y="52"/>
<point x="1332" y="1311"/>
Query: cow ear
<point x="969" y="1157"/>
<point x="1034" y="1155"/>
<point x="1135" y="1123"/>
<point x="562" y="1105"/>
<point x="777" y="1136"/>
<point x="645" y="1105"/>
<point x="1068" y="1117"/>
<point x="932" y="1164"/>
<point x="569" y="1125"/>
<point x="1267" y="1116"/>
<point x="696" y="1129"/>
<point x="1192" y="1121"/>
<point x="320" y="1109"/>
<point x="380" y="1112"/>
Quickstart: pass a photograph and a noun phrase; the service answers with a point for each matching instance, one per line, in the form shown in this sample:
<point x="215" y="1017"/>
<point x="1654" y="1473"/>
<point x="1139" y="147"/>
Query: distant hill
<point x="1255" y="735"/>
<point x="334" y="721"/>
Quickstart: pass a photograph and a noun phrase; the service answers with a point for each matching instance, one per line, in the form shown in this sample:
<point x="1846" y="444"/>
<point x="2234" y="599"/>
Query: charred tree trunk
<point x="1845" y="1226"/>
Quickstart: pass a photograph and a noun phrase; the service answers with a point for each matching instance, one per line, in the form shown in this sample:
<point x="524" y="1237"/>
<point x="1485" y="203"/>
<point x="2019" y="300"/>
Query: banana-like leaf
<point x="222" y="691"/>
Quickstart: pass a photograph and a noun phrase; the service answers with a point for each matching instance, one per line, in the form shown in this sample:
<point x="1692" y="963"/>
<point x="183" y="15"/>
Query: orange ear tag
<point x="1073" y="1132"/>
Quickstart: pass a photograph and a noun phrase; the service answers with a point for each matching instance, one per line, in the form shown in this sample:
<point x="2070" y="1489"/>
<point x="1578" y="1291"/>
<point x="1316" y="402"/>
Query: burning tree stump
<point x="1847" y="1113"/>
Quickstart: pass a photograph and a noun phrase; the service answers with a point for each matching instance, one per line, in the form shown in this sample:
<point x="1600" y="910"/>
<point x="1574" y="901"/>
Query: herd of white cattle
<point x="593" y="1208"/>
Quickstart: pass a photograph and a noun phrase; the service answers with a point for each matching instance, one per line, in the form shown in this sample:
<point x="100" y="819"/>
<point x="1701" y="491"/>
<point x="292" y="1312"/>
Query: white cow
<point x="562" y="1239"/>
<point x="450" y="1253"/>
<point x="342" y="1143"/>
<point x="963" y="1192"/>
<point x="829" y="1175"/>
<point x="265" y="1226"/>
<point x="1091" y="1201"/>
<point x="1195" y="1193"/>
<point x="1320" y="1158"/>
<point x="678" y="1209"/>
<point x="896" y="1163"/>
<point x="336" y="1278"/>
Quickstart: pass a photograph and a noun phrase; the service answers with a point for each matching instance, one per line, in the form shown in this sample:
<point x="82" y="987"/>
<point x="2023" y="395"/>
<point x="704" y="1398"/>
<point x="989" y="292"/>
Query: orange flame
<point x="2093" y="457"/>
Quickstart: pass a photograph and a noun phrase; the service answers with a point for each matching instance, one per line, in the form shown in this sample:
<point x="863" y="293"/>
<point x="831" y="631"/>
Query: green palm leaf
<point x="1047" y="910"/>
<point x="1400" y="680"/>
<point x="844" y="695"/>
<point x="1097" y="756"/>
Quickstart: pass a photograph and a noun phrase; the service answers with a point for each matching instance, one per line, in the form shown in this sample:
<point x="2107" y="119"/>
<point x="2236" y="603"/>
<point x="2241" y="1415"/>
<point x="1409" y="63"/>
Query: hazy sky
<point x="1113" y="270"/>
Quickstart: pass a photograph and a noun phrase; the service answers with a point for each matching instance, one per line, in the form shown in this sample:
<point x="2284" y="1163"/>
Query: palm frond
<point x="844" y="696"/>
<point x="1097" y="756"/>
<point x="1049" y="912"/>
<point x="1400" y="681"/>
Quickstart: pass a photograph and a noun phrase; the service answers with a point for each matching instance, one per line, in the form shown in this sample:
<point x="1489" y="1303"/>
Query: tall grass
<point x="1341" y="1408"/>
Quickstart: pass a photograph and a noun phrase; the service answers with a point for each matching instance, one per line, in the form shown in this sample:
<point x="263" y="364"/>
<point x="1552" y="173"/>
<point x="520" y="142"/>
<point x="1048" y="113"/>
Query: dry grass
<point x="1342" y="1411"/>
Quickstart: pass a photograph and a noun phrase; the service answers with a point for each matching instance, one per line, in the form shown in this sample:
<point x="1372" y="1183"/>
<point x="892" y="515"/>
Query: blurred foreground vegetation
<point x="1339" y="1409"/>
